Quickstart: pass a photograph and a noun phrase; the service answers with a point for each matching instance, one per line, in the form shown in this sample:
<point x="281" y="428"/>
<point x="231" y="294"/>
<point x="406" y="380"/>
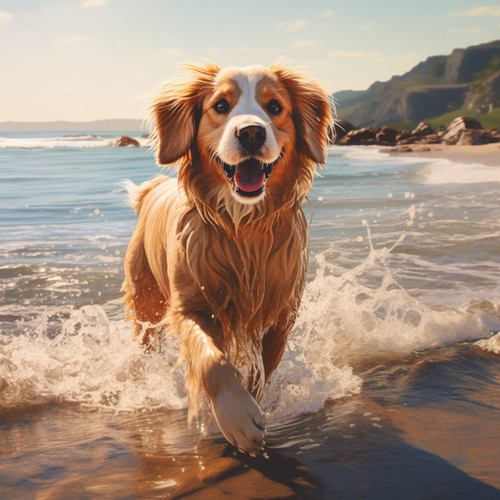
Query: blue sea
<point x="390" y="384"/>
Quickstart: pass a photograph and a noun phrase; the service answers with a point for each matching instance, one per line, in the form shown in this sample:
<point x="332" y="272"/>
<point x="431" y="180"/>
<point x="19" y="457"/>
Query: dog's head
<point x="242" y="135"/>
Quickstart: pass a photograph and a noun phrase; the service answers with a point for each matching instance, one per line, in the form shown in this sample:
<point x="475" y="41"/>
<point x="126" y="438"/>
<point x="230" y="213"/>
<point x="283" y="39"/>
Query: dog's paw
<point x="238" y="416"/>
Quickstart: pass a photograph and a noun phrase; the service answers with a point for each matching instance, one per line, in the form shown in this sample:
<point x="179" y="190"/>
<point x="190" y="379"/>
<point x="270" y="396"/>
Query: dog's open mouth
<point x="249" y="177"/>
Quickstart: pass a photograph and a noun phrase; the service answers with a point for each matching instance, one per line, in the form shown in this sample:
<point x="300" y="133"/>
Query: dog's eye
<point x="274" y="107"/>
<point x="221" y="107"/>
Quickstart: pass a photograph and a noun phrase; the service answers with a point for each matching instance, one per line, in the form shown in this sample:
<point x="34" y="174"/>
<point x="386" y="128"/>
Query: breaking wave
<point x="66" y="141"/>
<point x="86" y="355"/>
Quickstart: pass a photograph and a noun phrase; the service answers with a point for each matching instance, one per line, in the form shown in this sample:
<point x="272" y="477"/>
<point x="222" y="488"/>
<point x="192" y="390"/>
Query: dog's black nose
<point x="251" y="137"/>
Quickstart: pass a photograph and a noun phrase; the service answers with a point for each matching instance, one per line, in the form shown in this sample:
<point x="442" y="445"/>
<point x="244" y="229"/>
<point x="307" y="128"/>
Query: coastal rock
<point x="423" y="129"/>
<point x="429" y="139"/>
<point x="420" y="139"/>
<point x="463" y="131"/>
<point x="409" y="149"/>
<point x="495" y="135"/>
<point x="457" y="126"/>
<point x="387" y="135"/>
<point x="361" y="137"/>
<point x="402" y="149"/>
<point x="402" y="135"/>
<point x="476" y="137"/>
<point x="339" y="129"/>
<point x="124" y="141"/>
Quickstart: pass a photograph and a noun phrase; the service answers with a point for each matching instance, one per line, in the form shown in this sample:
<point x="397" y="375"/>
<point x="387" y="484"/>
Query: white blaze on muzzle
<point x="248" y="147"/>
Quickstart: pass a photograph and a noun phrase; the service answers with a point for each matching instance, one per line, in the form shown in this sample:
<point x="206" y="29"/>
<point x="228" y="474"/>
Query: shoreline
<point x="486" y="154"/>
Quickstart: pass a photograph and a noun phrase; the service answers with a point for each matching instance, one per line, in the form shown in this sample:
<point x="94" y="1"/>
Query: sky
<point x="80" y="60"/>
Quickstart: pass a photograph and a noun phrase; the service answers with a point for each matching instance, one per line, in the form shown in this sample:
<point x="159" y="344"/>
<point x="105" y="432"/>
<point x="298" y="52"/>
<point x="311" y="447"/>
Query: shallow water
<point x="390" y="383"/>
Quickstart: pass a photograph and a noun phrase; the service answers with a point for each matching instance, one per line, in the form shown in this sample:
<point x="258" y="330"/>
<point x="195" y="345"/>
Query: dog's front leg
<point x="236" y="412"/>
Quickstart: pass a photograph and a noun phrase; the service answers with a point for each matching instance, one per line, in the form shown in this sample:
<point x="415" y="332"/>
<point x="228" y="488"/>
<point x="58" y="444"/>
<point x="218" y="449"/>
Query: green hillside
<point x="488" y="120"/>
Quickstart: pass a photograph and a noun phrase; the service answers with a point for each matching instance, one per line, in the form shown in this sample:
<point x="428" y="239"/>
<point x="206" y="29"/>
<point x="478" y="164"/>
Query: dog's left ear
<point x="312" y="111"/>
<point x="176" y="111"/>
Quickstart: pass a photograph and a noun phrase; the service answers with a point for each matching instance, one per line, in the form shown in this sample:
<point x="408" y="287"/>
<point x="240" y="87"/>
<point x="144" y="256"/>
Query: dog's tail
<point x="137" y="194"/>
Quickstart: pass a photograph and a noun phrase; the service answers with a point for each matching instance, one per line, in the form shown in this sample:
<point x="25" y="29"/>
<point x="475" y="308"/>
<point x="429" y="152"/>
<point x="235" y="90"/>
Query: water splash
<point x="365" y="311"/>
<point x="86" y="355"/>
<point x="491" y="344"/>
<point x="81" y="356"/>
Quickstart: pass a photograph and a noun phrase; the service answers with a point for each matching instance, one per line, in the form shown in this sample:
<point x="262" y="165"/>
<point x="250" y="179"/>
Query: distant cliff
<point x="466" y="79"/>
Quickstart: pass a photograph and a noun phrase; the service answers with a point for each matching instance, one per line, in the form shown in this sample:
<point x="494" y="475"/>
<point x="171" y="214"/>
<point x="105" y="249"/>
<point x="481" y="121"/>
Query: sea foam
<point x="87" y="355"/>
<point x="69" y="141"/>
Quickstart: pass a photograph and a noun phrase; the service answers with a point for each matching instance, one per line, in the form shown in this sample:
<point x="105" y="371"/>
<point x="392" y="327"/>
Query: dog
<point x="220" y="253"/>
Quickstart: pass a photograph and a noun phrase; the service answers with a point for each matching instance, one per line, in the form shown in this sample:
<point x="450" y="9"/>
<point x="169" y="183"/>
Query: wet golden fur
<point x="228" y="276"/>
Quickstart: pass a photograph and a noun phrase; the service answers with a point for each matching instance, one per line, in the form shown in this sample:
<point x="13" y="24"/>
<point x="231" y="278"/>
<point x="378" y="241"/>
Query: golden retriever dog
<point x="219" y="254"/>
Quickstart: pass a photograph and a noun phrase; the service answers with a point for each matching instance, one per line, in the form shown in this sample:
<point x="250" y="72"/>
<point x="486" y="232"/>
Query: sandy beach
<point x="487" y="154"/>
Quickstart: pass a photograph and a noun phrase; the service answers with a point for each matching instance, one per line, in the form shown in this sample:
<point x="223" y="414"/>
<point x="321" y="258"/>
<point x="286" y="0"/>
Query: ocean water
<point x="390" y="384"/>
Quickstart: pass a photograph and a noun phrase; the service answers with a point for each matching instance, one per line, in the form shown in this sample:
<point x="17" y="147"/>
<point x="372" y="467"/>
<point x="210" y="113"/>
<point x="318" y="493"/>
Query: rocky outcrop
<point x="457" y="126"/>
<point x="387" y="135"/>
<point x="467" y="78"/>
<point x="422" y="129"/>
<point x="475" y="137"/>
<point x="124" y="141"/>
<point x="364" y="136"/>
<point x="463" y="64"/>
<point x="461" y="131"/>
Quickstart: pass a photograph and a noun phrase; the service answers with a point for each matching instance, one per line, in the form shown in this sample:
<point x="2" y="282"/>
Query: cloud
<point x="367" y="26"/>
<point x="357" y="54"/>
<point x="307" y="43"/>
<point x="479" y="11"/>
<point x="72" y="40"/>
<point x="90" y="4"/>
<point x="5" y="17"/>
<point x="296" y="26"/>
<point x="327" y="13"/>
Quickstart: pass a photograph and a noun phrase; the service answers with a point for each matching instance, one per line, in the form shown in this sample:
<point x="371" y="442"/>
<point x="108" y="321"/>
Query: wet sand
<point x="415" y="431"/>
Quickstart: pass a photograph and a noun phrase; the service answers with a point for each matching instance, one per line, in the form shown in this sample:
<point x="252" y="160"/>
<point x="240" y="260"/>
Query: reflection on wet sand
<point x="416" y="430"/>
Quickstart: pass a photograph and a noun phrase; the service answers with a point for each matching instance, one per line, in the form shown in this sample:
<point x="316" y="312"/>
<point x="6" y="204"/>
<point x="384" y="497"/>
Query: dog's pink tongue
<point x="249" y="176"/>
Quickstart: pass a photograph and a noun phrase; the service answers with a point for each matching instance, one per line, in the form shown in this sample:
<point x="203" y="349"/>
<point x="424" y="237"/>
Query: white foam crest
<point x="369" y="154"/>
<point x="447" y="172"/>
<point x="78" y="141"/>
<point x="491" y="344"/>
<point x="88" y="141"/>
<point x="91" y="360"/>
<point x="87" y="357"/>
<point x="365" y="311"/>
<point x="307" y="378"/>
<point x="436" y="171"/>
<point x="82" y="356"/>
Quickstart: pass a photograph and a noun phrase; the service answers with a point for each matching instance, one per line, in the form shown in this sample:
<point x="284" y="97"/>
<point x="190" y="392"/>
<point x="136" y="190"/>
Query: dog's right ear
<point x="176" y="111"/>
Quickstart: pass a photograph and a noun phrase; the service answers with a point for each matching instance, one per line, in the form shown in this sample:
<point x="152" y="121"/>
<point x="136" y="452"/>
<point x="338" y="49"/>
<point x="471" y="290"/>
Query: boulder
<point x="457" y="126"/>
<point x="387" y="135"/>
<point x="429" y="139"/>
<point x="402" y="149"/>
<point x="476" y="137"/>
<point x="402" y="135"/>
<point x="360" y="137"/>
<point x="423" y="129"/>
<point x="124" y="141"/>
<point x="495" y="133"/>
